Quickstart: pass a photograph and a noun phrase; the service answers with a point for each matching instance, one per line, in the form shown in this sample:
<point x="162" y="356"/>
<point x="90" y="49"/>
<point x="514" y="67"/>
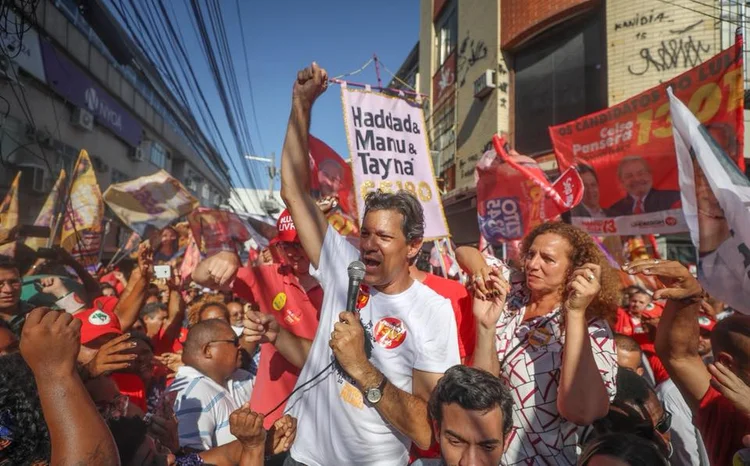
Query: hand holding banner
<point x="388" y="146"/>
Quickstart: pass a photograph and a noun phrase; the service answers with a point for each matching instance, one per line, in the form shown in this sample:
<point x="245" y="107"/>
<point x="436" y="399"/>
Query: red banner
<point x="333" y="187"/>
<point x="514" y="196"/>
<point x="626" y="154"/>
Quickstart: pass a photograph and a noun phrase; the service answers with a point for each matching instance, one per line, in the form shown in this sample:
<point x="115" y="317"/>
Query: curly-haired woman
<point x="546" y="335"/>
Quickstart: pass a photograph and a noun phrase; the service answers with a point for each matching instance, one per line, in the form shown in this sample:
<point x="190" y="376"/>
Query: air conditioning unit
<point x="484" y="84"/>
<point x="34" y="178"/>
<point x="83" y="119"/>
<point x="139" y="154"/>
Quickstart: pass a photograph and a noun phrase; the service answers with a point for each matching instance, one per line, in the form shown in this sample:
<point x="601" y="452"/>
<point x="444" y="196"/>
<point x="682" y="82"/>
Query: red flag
<point x="514" y="195"/>
<point x="333" y="187"/>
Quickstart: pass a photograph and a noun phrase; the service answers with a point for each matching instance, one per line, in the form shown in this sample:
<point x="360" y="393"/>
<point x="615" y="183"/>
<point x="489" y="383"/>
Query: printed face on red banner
<point x="333" y="187"/>
<point x="626" y="153"/>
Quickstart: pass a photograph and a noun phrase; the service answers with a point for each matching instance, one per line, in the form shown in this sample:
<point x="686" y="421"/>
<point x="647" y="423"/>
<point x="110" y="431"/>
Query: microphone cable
<point x="325" y="369"/>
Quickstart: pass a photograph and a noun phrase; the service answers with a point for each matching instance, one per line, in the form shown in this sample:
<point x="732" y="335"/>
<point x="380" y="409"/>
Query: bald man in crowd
<point x="629" y="354"/>
<point x="210" y="386"/>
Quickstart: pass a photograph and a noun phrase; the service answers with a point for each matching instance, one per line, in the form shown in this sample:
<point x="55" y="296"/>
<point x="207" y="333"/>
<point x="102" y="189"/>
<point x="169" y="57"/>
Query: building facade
<point x="65" y="91"/>
<point x="515" y="67"/>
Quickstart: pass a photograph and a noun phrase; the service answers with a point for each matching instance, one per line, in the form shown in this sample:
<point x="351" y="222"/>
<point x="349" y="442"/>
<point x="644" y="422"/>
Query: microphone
<point x="356" y="271"/>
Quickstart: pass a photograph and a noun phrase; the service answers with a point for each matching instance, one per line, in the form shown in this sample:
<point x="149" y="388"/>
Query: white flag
<point x="716" y="204"/>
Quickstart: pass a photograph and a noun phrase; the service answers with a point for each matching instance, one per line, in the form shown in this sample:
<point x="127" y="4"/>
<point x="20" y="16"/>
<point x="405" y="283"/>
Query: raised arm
<point x="678" y="331"/>
<point x="134" y="295"/>
<point x="50" y="345"/>
<point x="582" y="396"/>
<point x="309" y="221"/>
<point x="175" y="309"/>
<point x="93" y="290"/>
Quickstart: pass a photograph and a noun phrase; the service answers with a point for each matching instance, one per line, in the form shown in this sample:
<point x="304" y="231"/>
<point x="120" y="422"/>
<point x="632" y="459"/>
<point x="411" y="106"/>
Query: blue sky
<point x="284" y="36"/>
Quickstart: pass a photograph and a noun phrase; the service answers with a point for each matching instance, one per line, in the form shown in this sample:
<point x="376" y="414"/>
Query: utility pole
<point x="269" y="205"/>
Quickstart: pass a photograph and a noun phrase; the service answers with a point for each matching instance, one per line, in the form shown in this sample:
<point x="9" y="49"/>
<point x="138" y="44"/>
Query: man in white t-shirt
<point x="355" y="409"/>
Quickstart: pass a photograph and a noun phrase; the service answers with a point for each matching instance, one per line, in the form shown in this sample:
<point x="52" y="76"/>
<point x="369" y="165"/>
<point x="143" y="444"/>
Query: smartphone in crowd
<point x="162" y="271"/>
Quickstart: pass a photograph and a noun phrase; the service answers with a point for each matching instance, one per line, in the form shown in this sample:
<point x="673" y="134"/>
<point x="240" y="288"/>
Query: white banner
<point x="716" y="203"/>
<point x="25" y="53"/>
<point x="389" y="151"/>
<point x="655" y="223"/>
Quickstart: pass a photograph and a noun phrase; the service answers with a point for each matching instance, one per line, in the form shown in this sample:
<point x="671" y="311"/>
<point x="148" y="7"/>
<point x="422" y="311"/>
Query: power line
<point x="700" y="12"/>
<point x="249" y="81"/>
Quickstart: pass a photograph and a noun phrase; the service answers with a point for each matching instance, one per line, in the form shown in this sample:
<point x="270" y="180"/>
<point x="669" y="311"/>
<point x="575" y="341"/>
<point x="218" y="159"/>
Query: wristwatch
<point x="374" y="395"/>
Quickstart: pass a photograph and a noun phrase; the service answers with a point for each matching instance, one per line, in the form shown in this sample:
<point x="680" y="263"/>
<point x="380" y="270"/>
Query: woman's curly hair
<point x="583" y="250"/>
<point x="196" y="308"/>
<point x="22" y="423"/>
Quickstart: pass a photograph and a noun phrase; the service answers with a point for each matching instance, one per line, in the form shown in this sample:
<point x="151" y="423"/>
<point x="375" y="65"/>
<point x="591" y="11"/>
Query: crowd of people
<point x="548" y="360"/>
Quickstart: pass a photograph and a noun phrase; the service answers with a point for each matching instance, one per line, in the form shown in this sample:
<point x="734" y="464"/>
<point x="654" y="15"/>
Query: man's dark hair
<point x="627" y="343"/>
<point x="21" y="413"/>
<point x="152" y="308"/>
<point x="583" y="168"/>
<point x="474" y="390"/>
<point x="732" y="336"/>
<point x="631" y="449"/>
<point x="129" y="434"/>
<point x="7" y="263"/>
<point x="404" y="203"/>
<point x="632" y="388"/>
<point x="199" y="335"/>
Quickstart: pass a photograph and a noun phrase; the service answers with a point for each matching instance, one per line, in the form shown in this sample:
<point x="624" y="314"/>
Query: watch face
<point x="374" y="395"/>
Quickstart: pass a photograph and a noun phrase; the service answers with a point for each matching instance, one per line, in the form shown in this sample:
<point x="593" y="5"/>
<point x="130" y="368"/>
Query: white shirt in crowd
<point x="415" y="329"/>
<point x="531" y="353"/>
<point x="687" y="444"/>
<point x="203" y="407"/>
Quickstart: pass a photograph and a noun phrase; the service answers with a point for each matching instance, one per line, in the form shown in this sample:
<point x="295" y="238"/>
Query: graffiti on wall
<point x="643" y="19"/>
<point x="470" y="52"/>
<point x="677" y="53"/>
<point x="671" y="46"/>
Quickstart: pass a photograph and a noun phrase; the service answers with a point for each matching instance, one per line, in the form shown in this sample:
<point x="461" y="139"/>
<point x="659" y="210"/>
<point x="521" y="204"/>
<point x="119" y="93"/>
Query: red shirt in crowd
<point x="168" y="345"/>
<point x="626" y="325"/>
<point x="462" y="309"/>
<point x="132" y="386"/>
<point x="660" y="372"/>
<point x="279" y="294"/>
<point x="721" y="426"/>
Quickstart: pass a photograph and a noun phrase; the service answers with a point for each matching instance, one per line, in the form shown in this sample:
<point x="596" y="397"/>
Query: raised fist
<point x="311" y="83"/>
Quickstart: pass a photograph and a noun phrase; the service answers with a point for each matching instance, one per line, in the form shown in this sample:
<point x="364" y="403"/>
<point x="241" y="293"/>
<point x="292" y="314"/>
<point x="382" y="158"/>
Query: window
<point x="558" y="77"/>
<point x="446" y="33"/>
<point x="206" y="192"/>
<point x="158" y="155"/>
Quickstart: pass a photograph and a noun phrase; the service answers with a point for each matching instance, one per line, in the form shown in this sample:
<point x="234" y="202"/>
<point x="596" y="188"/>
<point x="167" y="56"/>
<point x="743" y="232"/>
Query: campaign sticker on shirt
<point x="390" y="332"/>
<point x="351" y="395"/>
<point x="539" y="337"/>
<point x="292" y="316"/>
<point x="99" y="318"/>
<point x="279" y="301"/>
<point x="363" y="297"/>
